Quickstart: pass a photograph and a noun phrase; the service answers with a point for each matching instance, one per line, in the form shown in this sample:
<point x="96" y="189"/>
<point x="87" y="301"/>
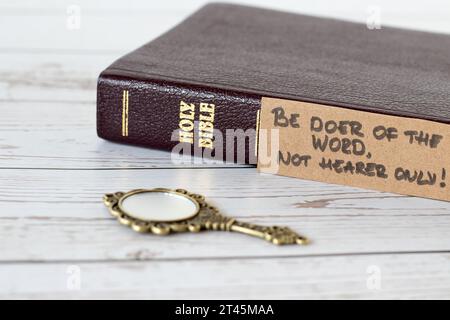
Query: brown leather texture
<point x="233" y="55"/>
<point x="154" y="112"/>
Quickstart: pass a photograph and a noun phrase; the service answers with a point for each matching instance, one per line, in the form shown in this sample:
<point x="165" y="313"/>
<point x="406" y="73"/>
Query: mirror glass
<point x="159" y="206"/>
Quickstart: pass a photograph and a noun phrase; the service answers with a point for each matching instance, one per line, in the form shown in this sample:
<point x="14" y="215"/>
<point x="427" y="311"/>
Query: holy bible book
<point x="213" y="72"/>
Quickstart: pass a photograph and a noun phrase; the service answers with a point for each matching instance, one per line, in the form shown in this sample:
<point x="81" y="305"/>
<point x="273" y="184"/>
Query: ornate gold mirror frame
<point x="200" y="216"/>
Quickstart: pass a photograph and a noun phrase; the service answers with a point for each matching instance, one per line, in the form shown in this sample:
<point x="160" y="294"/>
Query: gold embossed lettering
<point x="205" y="143"/>
<point x="186" y="124"/>
<point x="206" y="125"/>
<point x="187" y="111"/>
<point x="186" y="137"/>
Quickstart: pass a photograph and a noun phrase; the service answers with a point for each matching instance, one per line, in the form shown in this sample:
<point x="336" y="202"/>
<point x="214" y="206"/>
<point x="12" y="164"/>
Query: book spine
<point x="178" y="117"/>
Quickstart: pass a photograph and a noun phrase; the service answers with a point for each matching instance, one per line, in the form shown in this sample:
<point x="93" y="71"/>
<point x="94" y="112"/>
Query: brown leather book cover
<point x="217" y="65"/>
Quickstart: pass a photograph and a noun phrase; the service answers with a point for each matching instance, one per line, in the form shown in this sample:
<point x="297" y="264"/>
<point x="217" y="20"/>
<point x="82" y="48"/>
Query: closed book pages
<point x="207" y="76"/>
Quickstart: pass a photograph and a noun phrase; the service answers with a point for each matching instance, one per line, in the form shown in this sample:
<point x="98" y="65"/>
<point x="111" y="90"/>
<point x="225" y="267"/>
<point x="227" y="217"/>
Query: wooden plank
<point x="57" y="215"/>
<point x="405" y="276"/>
<point x="99" y="30"/>
<point x="116" y="25"/>
<point x="48" y="118"/>
<point x="62" y="135"/>
<point x="51" y="77"/>
<point x="52" y="216"/>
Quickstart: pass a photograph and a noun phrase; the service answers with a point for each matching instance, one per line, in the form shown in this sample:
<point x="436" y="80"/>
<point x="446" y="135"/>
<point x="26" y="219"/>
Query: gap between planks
<point x="228" y="258"/>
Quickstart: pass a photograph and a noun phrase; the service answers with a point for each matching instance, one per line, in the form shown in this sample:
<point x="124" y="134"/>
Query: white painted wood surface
<point x="54" y="171"/>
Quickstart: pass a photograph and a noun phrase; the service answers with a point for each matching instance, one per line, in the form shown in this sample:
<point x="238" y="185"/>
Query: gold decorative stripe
<point x="125" y="113"/>
<point x="257" y="134"/>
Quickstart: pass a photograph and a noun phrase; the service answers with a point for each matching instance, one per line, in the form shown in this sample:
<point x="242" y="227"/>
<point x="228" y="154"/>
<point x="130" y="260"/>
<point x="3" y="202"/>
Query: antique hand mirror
<point x="162" y="211"/>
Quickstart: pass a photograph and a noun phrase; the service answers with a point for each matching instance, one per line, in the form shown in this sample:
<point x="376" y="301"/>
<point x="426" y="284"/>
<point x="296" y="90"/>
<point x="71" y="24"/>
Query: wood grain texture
<point x="100" y="30"/>
<point x="58" y="215"/>
<point x="409" y="276"/>
<point x="60" y="134"/>
<point x="50" y="77"/>
<point x="54" y="170"/>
